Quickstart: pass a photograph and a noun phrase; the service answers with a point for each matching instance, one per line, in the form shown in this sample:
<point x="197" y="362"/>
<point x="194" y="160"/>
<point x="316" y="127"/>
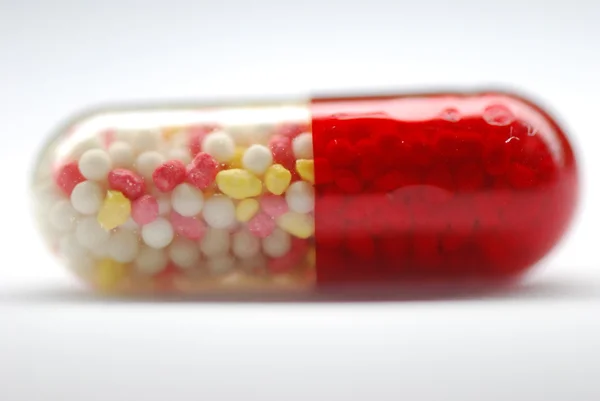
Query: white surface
<point x="539" y="342"/>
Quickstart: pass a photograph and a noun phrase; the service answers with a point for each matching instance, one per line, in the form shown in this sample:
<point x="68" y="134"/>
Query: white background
<point x="540" y="341"/>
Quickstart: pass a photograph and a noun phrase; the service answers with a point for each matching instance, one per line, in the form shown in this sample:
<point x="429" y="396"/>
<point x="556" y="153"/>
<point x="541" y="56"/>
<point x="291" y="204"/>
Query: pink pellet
<point x="202" y="171"/>
<point x="188" y="227"/>
<point x="291" y="259"/>
<point x="108" y="137"/>
<point x="291" y="130"/>
<point x="195" y="137"/>
<point x="144" y="210"/>
<point x="68" y="177"/>
<point x="128" y="182"/>
<point x="284" y="264"/>
<point x="166" y="278"/>
<point x="273" y="205"/>
<point x="261" y="225"/>
<point x="281" y="148"/>
<point x="168" y="175"/>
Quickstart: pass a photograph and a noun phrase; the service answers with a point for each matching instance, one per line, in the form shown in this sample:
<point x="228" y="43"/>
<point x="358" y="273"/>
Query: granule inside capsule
<point x="188" y="208"/>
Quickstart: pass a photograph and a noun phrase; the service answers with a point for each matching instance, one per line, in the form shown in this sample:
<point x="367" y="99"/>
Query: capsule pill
<point x="309" y="193"/>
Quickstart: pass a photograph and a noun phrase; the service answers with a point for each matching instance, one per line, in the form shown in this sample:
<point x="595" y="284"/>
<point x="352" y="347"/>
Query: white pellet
<point x="187" y="200"/>
<point x="125" y="135"/>
<point x="219" y="211"/>
<point x="246" y="135"/>
<point x="180" y="139"/>
<point x="302" y="146"/>
<point x="51" y="195"/>
<point x="90" y="234"/>
<point x="221" y="264"/>
<point x="300" y="197"/>
<point x="235" y="279"/>
<point x="100" y="251"/>
<point x="123" y="246"/>
<point x="78" y="150"/>
<point x="181" y="154"/>
<point x="150" y="260"/>
<point x="245" y="245"/>
<point x="121" y="154"/>
<point x="164" y="205"/>
<point x="147" y="162"/>
<point x="47" y="229"/>
<point x="184" y="253"/>
<point x="158" y="234"/>
<point x="70" y="248"/>
<point x="130" y="224"/>
<point x="219" y="145"/>
<point x="87" y="197"/>
<point x="239" y="133"/>
<point x="83" y="264"/>
<point x="277" y="244"/>
<point x="256" y="262"/>
<point x="215" y="242"/>
<point x="257" y="158"/>
<point x="63" y="215"/>
<point x="95" y="164"/>
<point x="146" y="140"/>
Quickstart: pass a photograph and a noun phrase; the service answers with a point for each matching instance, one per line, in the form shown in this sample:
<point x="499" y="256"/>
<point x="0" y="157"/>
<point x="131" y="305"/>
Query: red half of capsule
<point x="437" y="186"/>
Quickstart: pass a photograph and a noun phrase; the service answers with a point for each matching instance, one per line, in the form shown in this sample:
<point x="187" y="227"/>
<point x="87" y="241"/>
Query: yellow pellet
<point x="297" y="224"/>
<point x="238" y="183"/>
<point x="277" y="179"/>
<point x="306" y="169"/>
<point x="114" y="211"/>
<point x="169" y="132"/>
<point x="236" y="161"/>
<point x="246" y="209"/>
<point x="109" y="274"/>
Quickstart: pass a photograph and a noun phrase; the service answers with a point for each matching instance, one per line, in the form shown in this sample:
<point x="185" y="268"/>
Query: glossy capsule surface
<point x="299" y="194"/>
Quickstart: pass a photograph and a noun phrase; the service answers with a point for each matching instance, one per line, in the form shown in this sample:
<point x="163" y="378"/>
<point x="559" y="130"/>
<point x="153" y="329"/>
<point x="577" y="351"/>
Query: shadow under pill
<point x="546" y="290"/>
